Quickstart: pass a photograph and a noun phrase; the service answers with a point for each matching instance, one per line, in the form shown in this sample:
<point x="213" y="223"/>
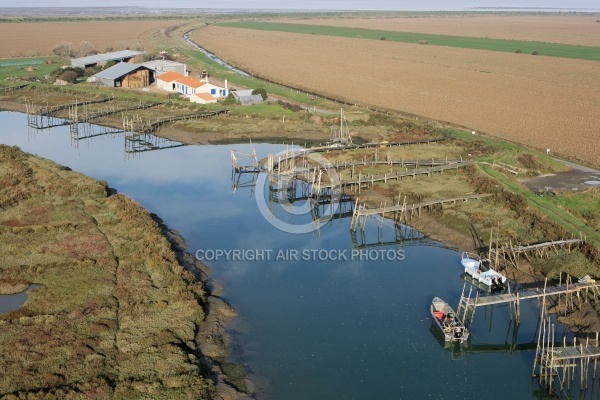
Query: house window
<point x="213" y="91"/>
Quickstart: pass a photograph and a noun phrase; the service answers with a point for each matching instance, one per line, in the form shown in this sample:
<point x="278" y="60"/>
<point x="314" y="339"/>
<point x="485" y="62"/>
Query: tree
<point x="262" y="92"/>
<point x="86" y="48"/>
<point x="68" y="76"/>
<point x="230" y="99"/>
<point x="64" y="49"/>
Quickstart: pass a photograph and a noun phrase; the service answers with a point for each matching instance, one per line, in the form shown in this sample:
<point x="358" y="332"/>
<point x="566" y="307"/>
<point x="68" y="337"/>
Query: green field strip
<point x="510" y="46"/>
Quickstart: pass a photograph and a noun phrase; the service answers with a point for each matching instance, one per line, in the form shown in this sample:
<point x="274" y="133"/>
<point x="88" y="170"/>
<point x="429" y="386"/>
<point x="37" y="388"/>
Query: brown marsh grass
<point x="116" y="316"/>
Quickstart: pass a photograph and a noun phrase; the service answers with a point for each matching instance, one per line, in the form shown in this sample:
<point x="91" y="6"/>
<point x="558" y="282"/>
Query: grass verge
<point x="569" y="222"/>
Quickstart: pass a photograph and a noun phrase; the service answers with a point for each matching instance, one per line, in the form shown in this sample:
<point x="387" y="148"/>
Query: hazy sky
<point x="313" y="4"/>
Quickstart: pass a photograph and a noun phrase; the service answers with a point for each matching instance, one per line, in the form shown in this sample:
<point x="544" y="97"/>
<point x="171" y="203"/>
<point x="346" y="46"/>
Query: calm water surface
<point x="12" y="302"/>
<point x="311" y="328"/>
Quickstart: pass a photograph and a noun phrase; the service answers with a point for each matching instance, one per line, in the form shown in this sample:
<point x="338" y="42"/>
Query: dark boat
<point x="447" y="322"/>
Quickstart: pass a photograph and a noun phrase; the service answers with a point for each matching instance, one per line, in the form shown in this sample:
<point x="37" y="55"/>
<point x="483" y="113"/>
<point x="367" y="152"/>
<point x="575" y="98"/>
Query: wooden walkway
<point x="538" y="246"/>
<point x="282" y="166"/>
<point x="565" y="353"/>
<point x="326" y="149"/>
<point x="313" y="177"/>
<point x="532" y="294"/>
<point x="468" y="305"/>
<point x="136" y="125"/>
<point x="47" y="111"/>
<point x="252" y="165"/>
<point x="553" y="358"/>
<point x="76" y="117"/>
<point x="369" y="180"/>
<point x="12" y="88"/>
<point x="401" y="211"/>
<point x="511" y="254"/>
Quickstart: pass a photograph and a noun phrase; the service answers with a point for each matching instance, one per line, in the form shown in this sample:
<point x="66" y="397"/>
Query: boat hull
<point x="444" y="318"/>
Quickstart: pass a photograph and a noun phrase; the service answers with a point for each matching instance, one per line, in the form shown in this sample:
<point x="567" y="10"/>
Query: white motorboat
<point x="480" y="270"/>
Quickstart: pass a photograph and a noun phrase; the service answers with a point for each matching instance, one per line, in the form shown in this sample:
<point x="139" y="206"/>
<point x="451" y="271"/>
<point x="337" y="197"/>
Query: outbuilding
<point x="126" y="75"/>
<point x="245" y="97"/>
<point x="163" y="66"/>
<point x="128" y="56"/>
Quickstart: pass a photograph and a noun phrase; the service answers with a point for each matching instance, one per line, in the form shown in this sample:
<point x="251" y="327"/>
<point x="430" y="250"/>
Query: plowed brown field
<point x="575" y="29"/>
<point x="39" y="38"/>
<point x="543" y="102"/>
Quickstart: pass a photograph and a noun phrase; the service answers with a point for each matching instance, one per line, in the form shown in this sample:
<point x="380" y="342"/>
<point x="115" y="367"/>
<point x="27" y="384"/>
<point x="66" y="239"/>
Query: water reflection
<point x="143" y="142"/>
<point x="134" y="143"/>
<point x="12" y="302"/>
<point x="81" y="132"/>
<point x="42" y="122"/>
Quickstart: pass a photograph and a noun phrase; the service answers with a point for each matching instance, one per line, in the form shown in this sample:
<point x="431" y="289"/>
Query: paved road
<point x="578" y="178"/>
<point x="578" y="167"/>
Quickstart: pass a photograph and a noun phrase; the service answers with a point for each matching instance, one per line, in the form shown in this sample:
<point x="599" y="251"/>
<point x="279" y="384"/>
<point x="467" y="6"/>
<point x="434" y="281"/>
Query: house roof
<point x="170" y="76"/>
<point x="115" y="55"/>
<point x="205" y="96"/>
<point x="190" y="82"/>
<point x="118" y="70"/>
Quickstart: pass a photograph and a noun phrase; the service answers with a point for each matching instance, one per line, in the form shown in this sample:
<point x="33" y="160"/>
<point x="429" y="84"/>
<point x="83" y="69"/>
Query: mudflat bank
<point x="123" y="311"/>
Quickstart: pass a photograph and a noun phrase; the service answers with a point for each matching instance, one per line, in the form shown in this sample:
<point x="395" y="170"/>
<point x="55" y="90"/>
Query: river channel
<point x="321" y="314"/>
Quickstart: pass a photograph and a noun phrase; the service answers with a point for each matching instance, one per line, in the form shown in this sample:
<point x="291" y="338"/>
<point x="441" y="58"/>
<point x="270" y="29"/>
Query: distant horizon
<point x="319" y="5"/>
<point x="301" y="9"/>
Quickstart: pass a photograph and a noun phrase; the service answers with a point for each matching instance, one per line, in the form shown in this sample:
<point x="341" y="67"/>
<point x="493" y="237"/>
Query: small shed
<point x="245" y="97"/>
<point x="133" y="76"/>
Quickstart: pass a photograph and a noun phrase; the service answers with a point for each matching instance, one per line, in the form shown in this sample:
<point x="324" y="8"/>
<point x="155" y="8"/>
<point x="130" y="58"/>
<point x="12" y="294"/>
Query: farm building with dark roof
<point x="132" y="76"/>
